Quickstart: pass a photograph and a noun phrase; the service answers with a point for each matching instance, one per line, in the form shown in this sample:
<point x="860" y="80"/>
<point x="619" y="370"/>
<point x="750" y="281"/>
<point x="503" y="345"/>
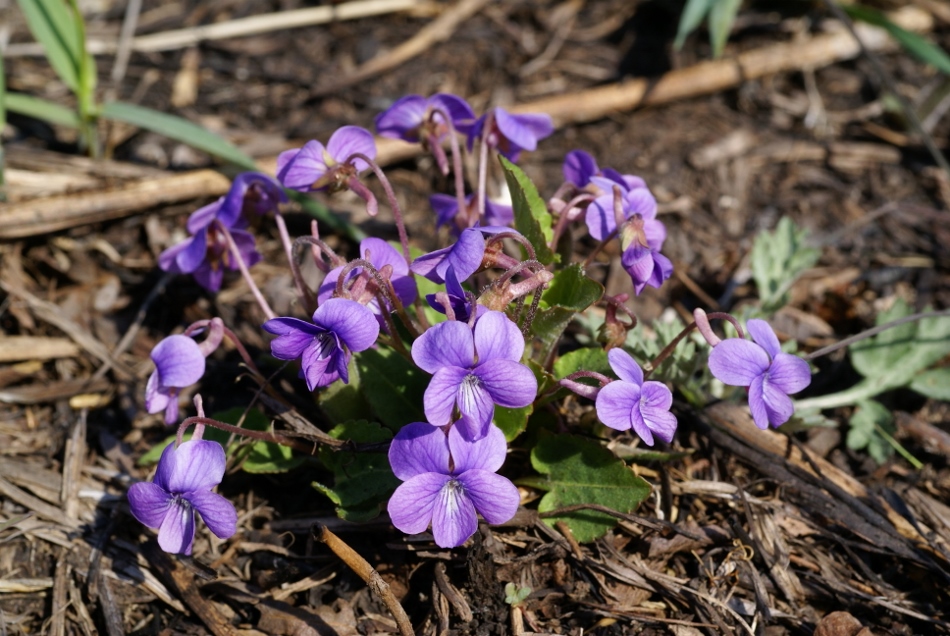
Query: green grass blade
<point x="721" y="16"/>
<point x="913" y="43"/>
<point x="178" y="129"/>
<point x="41" y="109"/>
<point x="52" y="24"/>
<point x="693" y="14"/>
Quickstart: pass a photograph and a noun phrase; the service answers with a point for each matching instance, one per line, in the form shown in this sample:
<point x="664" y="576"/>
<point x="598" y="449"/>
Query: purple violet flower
<point x="579" y="166"/>
<point x="446" y="209"/>
<point x="206" y="255"/>
<point x="340" y="328"/>
<point x="631" y="403"/>
<point x="636" y="199"/>
<point x="511" y="133"/>
<point x="447" y="480"/>
<point x="770" y="374"/>
<point x="641" y="258"/>
<point x="319" y="167"/>
<point x="182" y="485"/>
<point x="179" y="362"/>
<point x="415" y="118"/>
<point x="381" y="254"/>
<point x="251" y="194"/>
<point x="473" y="370"/>
<point x="462" y="304"/>
<point x="465" y="255"/>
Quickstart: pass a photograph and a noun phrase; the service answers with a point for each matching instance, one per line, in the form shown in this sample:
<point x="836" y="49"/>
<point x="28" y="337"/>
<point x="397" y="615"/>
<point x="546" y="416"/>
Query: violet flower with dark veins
<point x="770" y="374"/>
<point x="319" y="167"/>
<point x="381" y="254"/>
<point x="179" y="362"/>
<point x="182" y="485"/>
<point x="510" y="133"/>
<point x="631" y="403"/>
<point x="447" y="481"/>
<point x="473" y="370"/>
<point x="340" y="328"/>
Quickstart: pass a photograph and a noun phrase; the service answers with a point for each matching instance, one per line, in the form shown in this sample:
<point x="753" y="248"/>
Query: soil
<point x="779" y="533"/>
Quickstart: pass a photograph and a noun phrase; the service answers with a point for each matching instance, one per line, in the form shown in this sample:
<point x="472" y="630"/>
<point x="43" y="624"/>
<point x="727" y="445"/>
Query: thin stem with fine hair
<point x="393" y="204"/>
<point x="245" y="272"/>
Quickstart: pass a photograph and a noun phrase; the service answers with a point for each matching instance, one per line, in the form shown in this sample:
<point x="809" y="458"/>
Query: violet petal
<point x="449" y="343"/>
<point x="218" y="513"/>
<point x="352" y="139"/>
<point x="493" y="496"/>
<point x="419" y="448"/>
<point x="177" y="532"/>
<point x="789" y="373"/>
<point x="615" y="404"/>
<point x="453" y="516"/>
<point x="350" y="321"/>
<point x="625" y="366"/>
<point x="411" y="505"/>
<point x="510" y="384"/>
<point x="497" y="337"/>
<point x="488" y="453"/>
<point x="737" y="362"/>
<point x="441" y="394"/>
<point x="149" y="503"/>
<point x="179" y="361"/>
<point x="763" y="335"/>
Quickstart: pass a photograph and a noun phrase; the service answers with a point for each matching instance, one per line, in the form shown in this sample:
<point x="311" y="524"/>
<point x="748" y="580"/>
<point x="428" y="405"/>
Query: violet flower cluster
<point x="449" y="464"/>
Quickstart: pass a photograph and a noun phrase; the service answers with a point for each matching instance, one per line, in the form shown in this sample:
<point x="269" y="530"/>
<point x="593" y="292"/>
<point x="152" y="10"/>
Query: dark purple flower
<point x="415" y="118"/>
<point x="179" y="362"/>
<point x="511" y="133"/>
<point x="381" y="254"/>
<point x="636" y="199"/>
<point x="646" y="266"/>
<point x="319" y="167"/>
<point x="631" y="403"/>
<point x="206" y="255"/>
<point x="340" y="327"/>
<point x="447" y="480"/>
<point x="462" y="303"/>
<point x="473" y="370"/>
<point x="447" y="212"/>
<point x="465" y="255"/>
<point x="770" y="374"/>
<point x="182" y="485"/>
<point x="251" y="194"/>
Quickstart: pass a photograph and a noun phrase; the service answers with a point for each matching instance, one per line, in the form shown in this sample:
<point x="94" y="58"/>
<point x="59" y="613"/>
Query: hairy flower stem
<point x="668" y="349"/>
<point x="320" y="249"/>
<point x="584" y="390"/>
<point x="515" y="236"/>
<point x="393" y="203"/>
<point x="302" y="292"/>
<point x="873" y="331"/>
<point x="230" y="335"/>
<point x="564" y="218"/>
<point x="615" y="303"/>
<point x="386" y="298"/>
<point x="236" y="255"/>
<point x="263" y="436"/>
<point x="483" y="163"/>
<point x="456" y="157"/>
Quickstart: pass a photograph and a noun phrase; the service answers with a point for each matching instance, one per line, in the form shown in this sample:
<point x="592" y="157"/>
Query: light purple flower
<point x="182" y="485"/>
<point x="579" y="166"/>
<point x="340" y="327"/>
<point x="770" y="374"/>
<point x="646" y="266"/>
<point x="636" y="199"/>
<point x="319" y="167"/>
<point x="179" y="362"/>
<point x="447" y="480"/>
<point x="631" y="403"/>
<point x="446" y="209"/>
<point x="473" y="370"/>
<point x="380" y="254"/>
<point x="511" y="133"/>
<point x="415" y="118"/>
<point x="465" y="255"/>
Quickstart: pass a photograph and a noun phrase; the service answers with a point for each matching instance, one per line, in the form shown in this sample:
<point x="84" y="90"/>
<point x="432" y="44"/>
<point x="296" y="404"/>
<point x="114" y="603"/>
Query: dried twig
<point x="365" y="571"/>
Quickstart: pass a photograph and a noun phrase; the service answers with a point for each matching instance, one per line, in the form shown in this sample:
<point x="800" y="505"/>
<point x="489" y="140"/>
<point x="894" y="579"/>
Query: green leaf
<point x="880" y="355"/>
<point x="52" y="24"/>
<point x="532" y="218"/>
<point x="41" y="109"/>
<point x="393" y="386"/>
<point x="868" y="419"/>
<point x="934" y="384"/>
<point x="511" y="421"/>
<point x="569" y="293"/>
<point x="913" y="43"/>
<point x="580" y="471"/>
<point x="362" y="481"/>
<point x="342" y="402"/>
<point x="721" y="16"/>
<point x="778" y="259"/>
<point x="178" y="129"/>
<point x="589" y="359"/>
<point x="268" y="457"/>
<point x="515" y="595"/>
<point x="692" y="17"/>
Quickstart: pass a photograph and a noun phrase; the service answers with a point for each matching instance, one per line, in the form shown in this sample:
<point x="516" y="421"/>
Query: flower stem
<point x="393" y="203"/>
<point x="236" y="254"/>
<point x="264" y="436"/>
<point x="302" y="291"/>
<point x="668" y="349"/>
